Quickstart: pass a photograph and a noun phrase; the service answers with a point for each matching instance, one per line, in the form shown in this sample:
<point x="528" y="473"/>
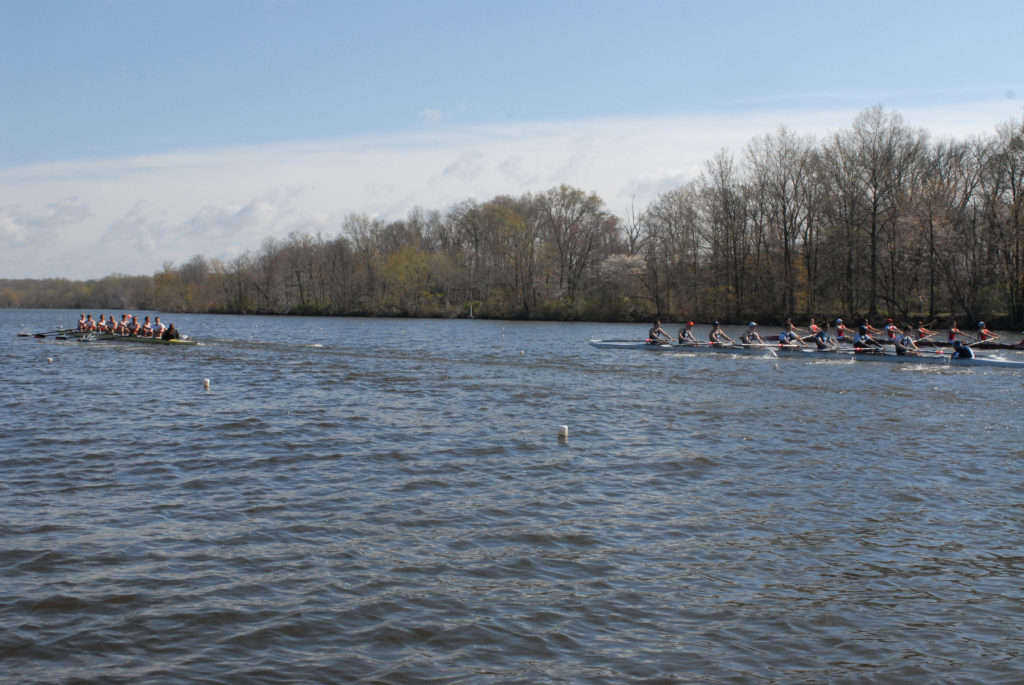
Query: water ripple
<point x="343" y="510"/>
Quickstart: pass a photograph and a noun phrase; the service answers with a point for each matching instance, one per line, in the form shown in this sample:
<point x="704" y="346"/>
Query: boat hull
<point x="839" y="354"/>
<point x="767" y="349"/>
<point x="107" y="337"/>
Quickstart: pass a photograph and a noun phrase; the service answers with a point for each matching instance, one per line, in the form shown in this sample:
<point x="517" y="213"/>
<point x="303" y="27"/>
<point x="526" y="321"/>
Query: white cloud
<point x="89" y="219"/>
<point x="431" y="116"/>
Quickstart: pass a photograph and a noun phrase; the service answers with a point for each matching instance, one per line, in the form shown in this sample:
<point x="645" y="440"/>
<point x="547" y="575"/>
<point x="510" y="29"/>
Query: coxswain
<point x="171" y="333"/>
<point x="686" y="336"/>
<point x="923" y="332"/>
<point x="905" y="345"/>
<point x="863" y="339"/>
<point x="752" y="337"/>
<point x="843" y="334"/>
<point x="984" y="333"/>
<point x="962" y="351"/>
<point x="788" y="338"/>
<point x="716" y="335"/>
<point x="657" y="335"/>
<point x="823" y="340"/>
<point x="952" y="333"/>
<point x="158" y="328"/>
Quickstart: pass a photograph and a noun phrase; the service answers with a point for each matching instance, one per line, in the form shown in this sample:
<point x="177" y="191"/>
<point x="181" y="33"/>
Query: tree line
<point x="875" y="219"/>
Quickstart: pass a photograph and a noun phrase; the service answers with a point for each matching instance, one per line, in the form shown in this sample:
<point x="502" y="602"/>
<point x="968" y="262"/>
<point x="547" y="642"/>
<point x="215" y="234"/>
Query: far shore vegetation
<point x="878" y="219"/>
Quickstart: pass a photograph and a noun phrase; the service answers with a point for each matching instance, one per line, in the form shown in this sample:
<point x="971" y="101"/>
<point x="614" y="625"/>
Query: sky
<point x="136" y="134"/>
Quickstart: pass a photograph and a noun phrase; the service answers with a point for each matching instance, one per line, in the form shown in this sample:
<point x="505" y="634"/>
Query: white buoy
<point x="206" y="383"/>
<point x="49" y="359"/>
<point x="563" y="432"/>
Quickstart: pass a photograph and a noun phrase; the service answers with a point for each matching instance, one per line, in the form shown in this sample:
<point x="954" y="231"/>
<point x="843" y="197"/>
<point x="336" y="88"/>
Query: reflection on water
<point x="388" y="500"/>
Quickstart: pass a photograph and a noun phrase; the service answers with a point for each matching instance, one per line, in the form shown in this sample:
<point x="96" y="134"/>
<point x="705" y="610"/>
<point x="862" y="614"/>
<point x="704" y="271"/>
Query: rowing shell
<point x="104" y="337"/>
<point x="813" y="353"/>
<point x="756" y="349"/>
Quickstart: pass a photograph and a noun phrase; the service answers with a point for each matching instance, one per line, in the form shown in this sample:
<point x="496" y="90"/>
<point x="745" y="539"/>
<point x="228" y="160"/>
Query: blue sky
<point x="136" y="133"/>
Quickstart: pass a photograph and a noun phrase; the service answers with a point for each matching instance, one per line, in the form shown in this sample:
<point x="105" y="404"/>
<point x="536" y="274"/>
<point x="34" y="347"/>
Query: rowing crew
<point x="128" y="325"/>
<point x="823" y="340"/>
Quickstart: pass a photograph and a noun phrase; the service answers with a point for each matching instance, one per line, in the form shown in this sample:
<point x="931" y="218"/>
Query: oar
<point x="980" y="341"/>
<point x="39" y="335"/>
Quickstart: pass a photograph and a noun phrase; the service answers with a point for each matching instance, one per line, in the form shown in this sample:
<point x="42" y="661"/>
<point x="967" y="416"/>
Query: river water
<point x="389" y="501"/>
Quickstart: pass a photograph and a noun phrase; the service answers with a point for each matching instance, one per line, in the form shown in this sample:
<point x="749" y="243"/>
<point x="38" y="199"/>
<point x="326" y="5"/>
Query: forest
<point x="875" y="219"/>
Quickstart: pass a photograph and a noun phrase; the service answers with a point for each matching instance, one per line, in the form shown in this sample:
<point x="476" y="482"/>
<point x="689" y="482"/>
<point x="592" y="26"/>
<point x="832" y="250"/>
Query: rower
<point x="90" y="325"/>
<point x="905" y="345"/>
<point x="657" y="336"/>
<point x="752" y="337"/>
<point x="841" y="332"/>
<point x="892" y="330"/>
<point x="686" y="334"/>
<point x="81" y="322"/>
<point x="158" y="328"/>
<point x="867" y="325"/>
<point x="823" y="340"/>
<point x="814" y="328"/>
<point x="952" y="333"/>
<point x="923" y="332"/>
<point x="962" y="351"/>
<point x="134" y="327"/>
<point x="716" y="335"/>
<point x="147" y="329"/>
<point x="787" y="338"/>
<point x="791" y="326"/>
<point x="101" y="325"/>
<point x="984" y="333"/>
<point x="864" y="340"/>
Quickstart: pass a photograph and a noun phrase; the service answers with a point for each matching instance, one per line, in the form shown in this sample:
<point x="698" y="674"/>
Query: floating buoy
<point x="49" y="359"/>
<point x="563" y="432"/>
<point x="206" y="383"/>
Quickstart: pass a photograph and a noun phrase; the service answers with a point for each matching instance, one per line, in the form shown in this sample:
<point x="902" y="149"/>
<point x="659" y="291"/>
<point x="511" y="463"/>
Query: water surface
<point x="388" y="501"/>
